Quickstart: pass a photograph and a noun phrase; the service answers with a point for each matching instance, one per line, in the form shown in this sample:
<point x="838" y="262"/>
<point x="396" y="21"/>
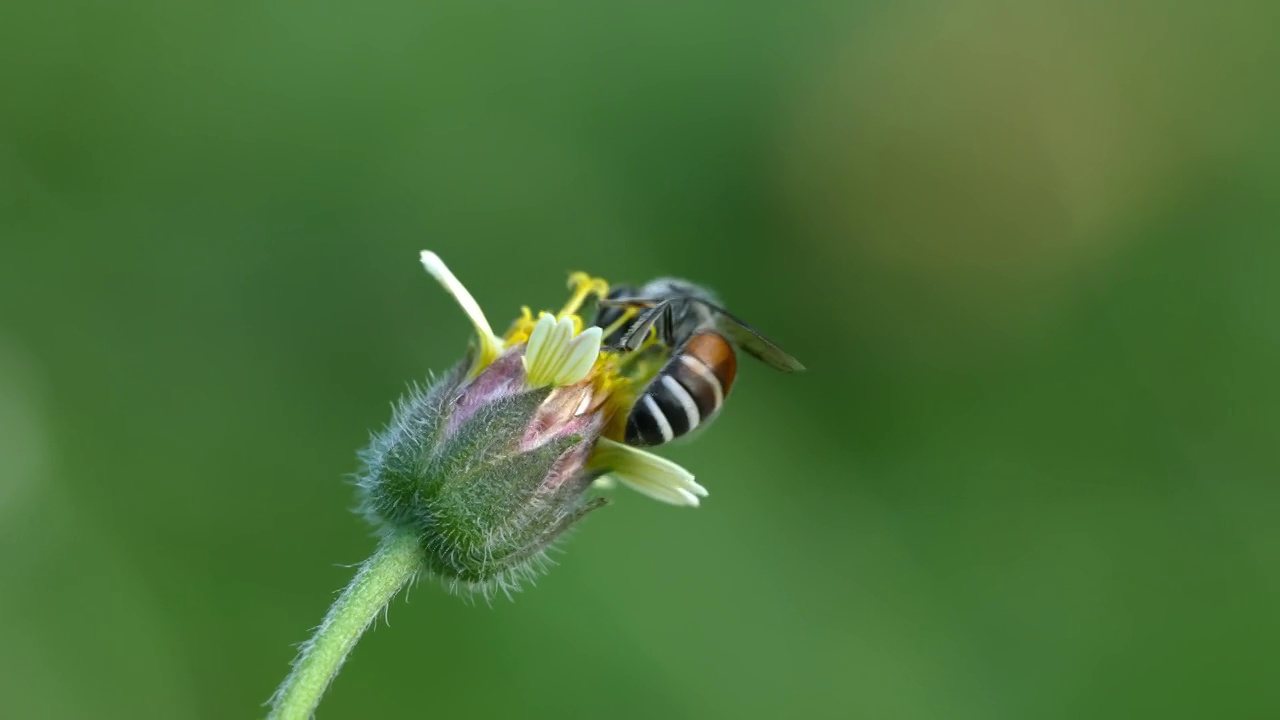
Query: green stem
<point x="397" y="561"/>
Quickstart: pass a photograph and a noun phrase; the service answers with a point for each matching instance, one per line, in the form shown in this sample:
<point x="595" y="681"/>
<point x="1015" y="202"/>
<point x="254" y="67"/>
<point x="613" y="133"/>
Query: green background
<point x="1027" y="250"/>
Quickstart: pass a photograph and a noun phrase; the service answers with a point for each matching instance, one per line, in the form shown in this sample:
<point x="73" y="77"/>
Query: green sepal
<point x="483" y="509"/>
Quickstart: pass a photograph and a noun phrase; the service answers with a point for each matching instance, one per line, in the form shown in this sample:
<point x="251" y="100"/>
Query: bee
<point x="699" y="339"/>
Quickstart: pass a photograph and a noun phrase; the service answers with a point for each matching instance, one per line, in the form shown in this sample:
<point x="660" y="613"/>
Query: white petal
<point x="490" y="344"/>
<point x="669" y="495"/>
<point x="583" y="351"/>
<point x="644" y="472"/>
<point x="538" y="338"/>
<point x="542" y="349"/>
<point x="554" y="356"/>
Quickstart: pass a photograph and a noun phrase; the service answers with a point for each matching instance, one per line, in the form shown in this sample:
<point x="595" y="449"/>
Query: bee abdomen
<point x="688" y="392"/>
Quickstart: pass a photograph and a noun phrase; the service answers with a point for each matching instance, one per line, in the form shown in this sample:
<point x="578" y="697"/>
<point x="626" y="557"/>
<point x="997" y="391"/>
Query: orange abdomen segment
<point x="717" y="354"/>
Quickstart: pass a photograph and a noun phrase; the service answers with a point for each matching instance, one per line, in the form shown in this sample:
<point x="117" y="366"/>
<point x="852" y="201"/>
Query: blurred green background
<point x="1028" y="252"/>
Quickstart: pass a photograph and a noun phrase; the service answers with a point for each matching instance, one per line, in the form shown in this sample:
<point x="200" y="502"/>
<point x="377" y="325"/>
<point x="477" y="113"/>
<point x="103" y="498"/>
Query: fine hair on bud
<point x="470" y="467"/>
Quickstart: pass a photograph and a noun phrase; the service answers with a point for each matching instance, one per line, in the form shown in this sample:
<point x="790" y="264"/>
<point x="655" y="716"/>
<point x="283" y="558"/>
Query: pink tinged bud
<point x="486" y="472"/>
<point x="493" y="462"/>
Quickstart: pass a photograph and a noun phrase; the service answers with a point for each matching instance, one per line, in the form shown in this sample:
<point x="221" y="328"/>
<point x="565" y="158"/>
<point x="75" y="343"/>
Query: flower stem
<point x="397" y="561"/>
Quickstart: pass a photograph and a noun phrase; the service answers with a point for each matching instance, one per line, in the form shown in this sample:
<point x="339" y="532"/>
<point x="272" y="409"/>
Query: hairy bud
<point x="494" y="461"/>
<point x="485" y="472"/>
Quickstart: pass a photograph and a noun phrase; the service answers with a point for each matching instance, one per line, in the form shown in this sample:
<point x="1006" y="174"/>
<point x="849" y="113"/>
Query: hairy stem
<point x="397" y="561"/>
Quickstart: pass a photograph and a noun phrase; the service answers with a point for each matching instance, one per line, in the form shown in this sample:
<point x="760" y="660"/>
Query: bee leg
<point x="616" y="325"/>
<point x="667" y="324"/>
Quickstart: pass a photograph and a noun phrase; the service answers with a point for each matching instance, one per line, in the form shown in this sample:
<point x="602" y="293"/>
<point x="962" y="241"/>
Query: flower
<point x="498" y="458"/>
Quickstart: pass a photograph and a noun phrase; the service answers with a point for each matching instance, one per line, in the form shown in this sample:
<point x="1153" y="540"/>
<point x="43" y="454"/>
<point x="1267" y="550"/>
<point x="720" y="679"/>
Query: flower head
<point x="495" y="460"/>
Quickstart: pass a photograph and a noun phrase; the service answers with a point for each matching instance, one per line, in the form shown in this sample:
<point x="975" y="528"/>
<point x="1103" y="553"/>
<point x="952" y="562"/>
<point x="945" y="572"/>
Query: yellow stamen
<point x="607" y="373"/>
<point x="522" y="327"/>
<point x="583" y="286"/>
<point x="613" y="389"/>
<point x="627" y="314"/>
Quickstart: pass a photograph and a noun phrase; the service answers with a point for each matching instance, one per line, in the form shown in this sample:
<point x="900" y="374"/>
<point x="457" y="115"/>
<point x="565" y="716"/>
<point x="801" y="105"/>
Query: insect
<point x="700" y="340"/>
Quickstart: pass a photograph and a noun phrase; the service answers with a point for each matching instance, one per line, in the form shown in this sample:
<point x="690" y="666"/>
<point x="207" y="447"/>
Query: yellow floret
<point x="583" y="286"/>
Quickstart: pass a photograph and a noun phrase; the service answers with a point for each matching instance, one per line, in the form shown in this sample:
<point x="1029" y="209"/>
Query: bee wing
<point x="742" y="334"/>
<point x="639" y="330"/>
<point x="750" y="339"/>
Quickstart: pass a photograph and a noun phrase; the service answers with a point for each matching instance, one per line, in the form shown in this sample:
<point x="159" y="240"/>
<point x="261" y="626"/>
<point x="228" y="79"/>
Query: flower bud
<point x="495" y="460"/>
<point x="486" y="472"/>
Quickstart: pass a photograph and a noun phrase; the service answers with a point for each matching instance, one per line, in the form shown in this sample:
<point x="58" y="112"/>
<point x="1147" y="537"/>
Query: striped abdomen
<point x="687" y="392"/>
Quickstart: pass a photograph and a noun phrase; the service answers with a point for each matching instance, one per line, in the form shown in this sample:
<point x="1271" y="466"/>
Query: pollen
<point x="615" y="390"/>
<point x="583" y="286"/>
<point x="521" y="328"/>
<point x="559" y="351"/>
